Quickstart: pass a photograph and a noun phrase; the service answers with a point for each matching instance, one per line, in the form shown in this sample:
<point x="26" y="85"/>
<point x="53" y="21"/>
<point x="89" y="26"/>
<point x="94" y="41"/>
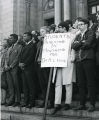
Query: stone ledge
<point x="16" y="116"/>
<point x="69" y="113"/>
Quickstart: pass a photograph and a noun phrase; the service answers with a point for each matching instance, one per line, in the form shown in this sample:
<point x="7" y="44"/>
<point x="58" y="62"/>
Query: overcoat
<point x="67" y="75"/>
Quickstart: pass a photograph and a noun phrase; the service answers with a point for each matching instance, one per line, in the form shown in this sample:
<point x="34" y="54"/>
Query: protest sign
<point x="55" y="50"/>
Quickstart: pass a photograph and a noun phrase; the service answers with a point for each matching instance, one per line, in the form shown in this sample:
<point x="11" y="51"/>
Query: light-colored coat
<point x="66" y="75"/>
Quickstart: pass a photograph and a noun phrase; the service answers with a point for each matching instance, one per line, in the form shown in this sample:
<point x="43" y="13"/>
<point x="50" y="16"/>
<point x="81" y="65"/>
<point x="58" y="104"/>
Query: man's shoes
<point x="80" y="107"/>
<point x="23" y="104"/>
<point x="9" y="103"/>
<point x="56" y="109"/>
<point x="16" y="104"/>
<point x="66" y="107"/>
<point x="40" y="106"/>
<point x="30" y="105"/>
<point x="91" y="108"/>
<point x="3" y="103"/>
<point x="50" y="106"/>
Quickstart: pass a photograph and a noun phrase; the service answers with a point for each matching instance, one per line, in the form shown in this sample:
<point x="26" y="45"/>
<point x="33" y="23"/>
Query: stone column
<point x="28" y="7"/>
<point x="57" y="11"/>
<point x="83" y="10"/>
<point x="66" y="9"/>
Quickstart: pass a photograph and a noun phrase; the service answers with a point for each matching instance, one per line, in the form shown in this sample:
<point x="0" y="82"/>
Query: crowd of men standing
<point x="21" y="70"/>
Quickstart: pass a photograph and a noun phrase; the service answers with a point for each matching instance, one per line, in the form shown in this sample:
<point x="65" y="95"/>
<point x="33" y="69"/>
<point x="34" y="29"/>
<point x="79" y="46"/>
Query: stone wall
<point x="13" y="14"/>
<point x="6" y="17"/>
<point x="34" y="15"/>
<point x="19" y="17"/>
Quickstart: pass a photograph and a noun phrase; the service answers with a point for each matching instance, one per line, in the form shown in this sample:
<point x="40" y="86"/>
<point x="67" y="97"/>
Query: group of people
<point x="21" y="70"/>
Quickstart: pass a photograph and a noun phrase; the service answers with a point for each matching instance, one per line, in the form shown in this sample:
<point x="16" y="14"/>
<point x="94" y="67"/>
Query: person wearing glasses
<point x="97" y="50"/>
<point x="97" y="31"/>
<point x="65" y="75"/>
<point x="84" y="46"/>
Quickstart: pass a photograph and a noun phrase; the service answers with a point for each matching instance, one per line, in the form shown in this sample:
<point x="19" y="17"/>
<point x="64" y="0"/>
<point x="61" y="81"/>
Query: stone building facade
<point x="18" y="16"/>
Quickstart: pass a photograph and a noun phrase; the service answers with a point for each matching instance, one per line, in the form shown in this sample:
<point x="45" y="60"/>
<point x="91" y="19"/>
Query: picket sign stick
<point x="47" y="93"/>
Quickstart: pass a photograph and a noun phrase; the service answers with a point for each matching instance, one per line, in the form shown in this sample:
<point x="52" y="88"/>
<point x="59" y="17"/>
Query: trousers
<point x="86" y="80"/>
<point x="58" y="94"/>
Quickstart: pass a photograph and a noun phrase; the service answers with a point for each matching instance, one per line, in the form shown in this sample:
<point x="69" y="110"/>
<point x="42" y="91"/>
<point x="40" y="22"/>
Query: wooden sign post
<point x="54" y="54"/>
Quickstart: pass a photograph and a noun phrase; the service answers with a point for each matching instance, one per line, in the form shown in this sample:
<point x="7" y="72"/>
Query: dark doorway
<point x="93" y="7"/>
<point x="48" y="22"/>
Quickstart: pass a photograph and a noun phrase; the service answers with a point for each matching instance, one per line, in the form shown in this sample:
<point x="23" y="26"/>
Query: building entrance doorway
<point x="93" y="7"/>
<point x="48" y="22"/>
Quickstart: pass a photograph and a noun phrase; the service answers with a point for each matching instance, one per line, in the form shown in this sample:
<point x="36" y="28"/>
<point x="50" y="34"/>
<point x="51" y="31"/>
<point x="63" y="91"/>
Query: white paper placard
<point x="55" y="50"/>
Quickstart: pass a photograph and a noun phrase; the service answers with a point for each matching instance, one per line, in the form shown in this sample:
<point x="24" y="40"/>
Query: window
<point x="97" y="7"/>
<point x="94" y="9"/>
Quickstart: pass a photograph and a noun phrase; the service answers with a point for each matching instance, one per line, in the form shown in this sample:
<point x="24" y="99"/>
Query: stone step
<point x="36" y="113"/>
<point x="20" y="116"/>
